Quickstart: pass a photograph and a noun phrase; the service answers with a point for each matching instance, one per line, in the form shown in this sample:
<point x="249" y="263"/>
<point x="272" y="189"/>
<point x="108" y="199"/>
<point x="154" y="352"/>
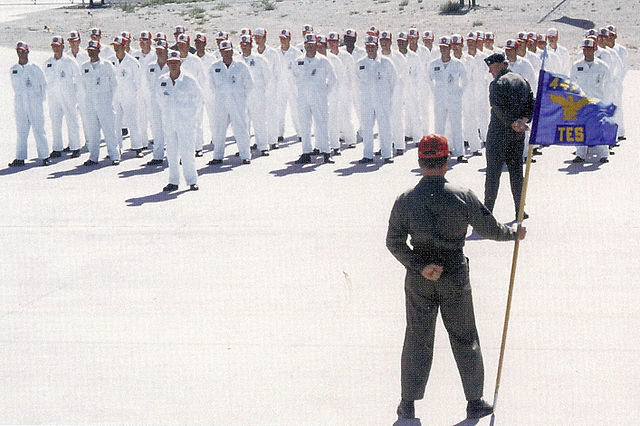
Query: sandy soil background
<point x="504" y="18"/>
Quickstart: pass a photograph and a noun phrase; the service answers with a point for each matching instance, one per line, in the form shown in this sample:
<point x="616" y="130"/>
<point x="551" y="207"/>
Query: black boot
<point x="406" y="410"/>
<point x="327" y="158"/>
<point x="304" y="159"/>
<point x="478" y="408"/>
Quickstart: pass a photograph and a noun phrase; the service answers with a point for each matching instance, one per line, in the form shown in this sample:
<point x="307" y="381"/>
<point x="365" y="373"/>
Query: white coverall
<point x="563" y="57"/>
<point x="207" y="60"/>
<point x="482" y="95"/>
<point x="99" y="81"/>
<point x="315" y="78"/>
<point x="192" y="65"/>
<point x="287" y="91"/>
<point x="257" y="100"/>
<point x="593" y="78"/>
<point x="624" y="59"/>
<point x="376" y="83"/>
<point x="347" y="98"/>
<point x="152" y="76"/>
<point x="448" y="82"/>
<point x="525" y="69"/>
<point x="63" y="81"/>
<point x="397" y="101"/>
<point x="29" y="88"/>
<point x="412" y="98"/>
<point x="144" y="96"/>
<point x="178" y="103"/>
<point x="125" y="99"/>
<point x="470" y="122"/>
<point x="231" y="87"/>
<point x="271" y="92"/>
<point x="357" y="54"/>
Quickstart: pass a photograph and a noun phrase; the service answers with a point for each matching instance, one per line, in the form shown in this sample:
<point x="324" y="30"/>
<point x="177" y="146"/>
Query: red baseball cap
<point x="433" y="146"/>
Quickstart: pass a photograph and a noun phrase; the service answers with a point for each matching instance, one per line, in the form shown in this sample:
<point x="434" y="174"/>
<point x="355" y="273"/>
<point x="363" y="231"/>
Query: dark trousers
<point x="499" y="153"/>
<point x="452" y="294"/>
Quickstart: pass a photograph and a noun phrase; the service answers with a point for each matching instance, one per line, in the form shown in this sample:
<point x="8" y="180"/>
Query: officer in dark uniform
<point x="511" y="101"/>
<point x="436" y="214"/>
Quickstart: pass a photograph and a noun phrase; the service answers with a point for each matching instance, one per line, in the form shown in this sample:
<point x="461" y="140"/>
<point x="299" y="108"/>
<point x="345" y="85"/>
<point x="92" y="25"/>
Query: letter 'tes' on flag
<point x="564" y="115"/>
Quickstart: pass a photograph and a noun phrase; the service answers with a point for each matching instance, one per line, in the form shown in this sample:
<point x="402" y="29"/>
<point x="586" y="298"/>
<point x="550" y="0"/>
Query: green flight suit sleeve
<point x="397" y="234"/>
<point x="483" y="222"/>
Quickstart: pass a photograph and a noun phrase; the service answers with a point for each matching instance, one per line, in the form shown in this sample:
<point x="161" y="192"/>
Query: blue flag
<point x="564" y="115"/>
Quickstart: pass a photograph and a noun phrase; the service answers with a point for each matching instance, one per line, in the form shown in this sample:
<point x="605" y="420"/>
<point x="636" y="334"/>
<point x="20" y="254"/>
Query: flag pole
<point x="514" y="262"/>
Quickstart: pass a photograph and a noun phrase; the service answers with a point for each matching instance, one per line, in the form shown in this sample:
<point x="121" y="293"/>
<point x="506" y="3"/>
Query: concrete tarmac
<point x="268" y="297"/>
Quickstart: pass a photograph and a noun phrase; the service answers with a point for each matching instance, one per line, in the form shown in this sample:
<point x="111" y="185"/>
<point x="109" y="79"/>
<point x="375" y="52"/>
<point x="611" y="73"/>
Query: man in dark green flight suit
<point x="435" y="214"/>
<point x="511" y="102"/>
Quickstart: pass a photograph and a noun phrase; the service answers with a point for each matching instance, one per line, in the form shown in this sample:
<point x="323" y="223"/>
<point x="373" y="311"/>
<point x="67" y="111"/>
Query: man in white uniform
<point x="152" y="75"/>
<point x="257" y="99"/>
<point x="561" y="52"/>
<point x="99" y="81"/>
<point x="402" y="75"/>
<point x="106" y="52"/>
<point x="287" y="92"/>
<point x="273" y="60"/>
<point x="334" y="96"/>
<point x="350" y="37"/>
<point x="63" y="82"/>
<point x="231" y="82"/>
<point x="592" y="75"/>
<point x="192" y="65"/>
<point x="75" y="52"/>
<point x="469" y="112"/>
<point x="376" y="77"/>
<point x="314" y="78"/>
<point x="144" y="56"/>
<point x="345" y="88"/>
<point x="448" y="79"/>
<point x="623" y="56"/>
<point x="29" y="88"/>
<point x="523" y="67"/>
<point x="414" y="82"/>
<point x="125" y="100"/>
<point x="179" y="95"/>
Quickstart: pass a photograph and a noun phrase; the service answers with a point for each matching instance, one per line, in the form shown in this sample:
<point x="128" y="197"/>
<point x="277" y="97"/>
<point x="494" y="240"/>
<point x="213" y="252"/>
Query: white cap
<point x="95" y="32"/>
<point x="162" y="44"/>
<point x="307" y="28"/>
<point x="603" y="32"/>
<point x="552" y="32"/>
<point x="428" y="34"/>
<point x="21" y="45"/>
<point x="178" y="30"/>
<point x="532" y="35"/>
<point x="489" y="36"/>
<point x="244" y="31"/>
<point x="145" y="35"/>
<point x="183" y="38"/>
<point x="522" y="35"/>
<point x="201" y="37"/>
<point x="444" y="41"/>
<point x="373" y="31"/>
<point x="285" y="33"/>
<point x="371" y="40"/>
<point x="174" y="55"/>
<point x="471" y="36"/>
<point x="479" y="36"/>
<point x="413" y="33"/>
<point x="245" y="38"/>
<point x="222" y="35"/>
<point x="74" y="35"/>
<point x="57" y="40"/>
<point x="588" y="42"/>
<point x="93" y="45"/>
<point x="612" y="29"/>
<point x="333" y="36"/>
<point x="402" y="36"/>
<point x="160" y="36"/>
<point x="226" y="45"/>
<point x="457" y="39"/>
<point x="350" y="32"/>
<point x="385" y="35"/>
<point x="259" y="31"/>
<point x="118" y="41"/>
<point x="541" y="37"/>
<point x="511" y="44"/>
<point x="321" y="39"/>
<point x="310" y="38"/>
<point x="126" y="34"/>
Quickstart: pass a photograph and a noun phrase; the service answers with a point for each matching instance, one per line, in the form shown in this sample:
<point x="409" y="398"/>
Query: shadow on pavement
<point x="575" y="168"/>
<point x="360" y="168"/>
<point x="13" y="170"/>
<point x="468" y="422"/>
<point x="293" y="168"/>
<point x="154" y="198"/>
<point x="80" y="169"/>
<point x="143" y="170"/>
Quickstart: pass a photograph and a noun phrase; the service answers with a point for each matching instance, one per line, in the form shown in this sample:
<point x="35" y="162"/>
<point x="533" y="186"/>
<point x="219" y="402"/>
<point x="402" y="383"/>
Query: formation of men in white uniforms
<point x="330" y="94"/>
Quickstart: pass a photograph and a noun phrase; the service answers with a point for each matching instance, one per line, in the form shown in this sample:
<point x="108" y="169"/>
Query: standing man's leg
<point x="495" y="159"/>
<point x="417" y="353"/>
<point x="514" y="165"/>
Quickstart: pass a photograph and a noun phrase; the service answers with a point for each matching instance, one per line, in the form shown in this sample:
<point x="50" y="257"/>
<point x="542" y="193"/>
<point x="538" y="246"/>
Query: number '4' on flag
<point x="564" y="115"/>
